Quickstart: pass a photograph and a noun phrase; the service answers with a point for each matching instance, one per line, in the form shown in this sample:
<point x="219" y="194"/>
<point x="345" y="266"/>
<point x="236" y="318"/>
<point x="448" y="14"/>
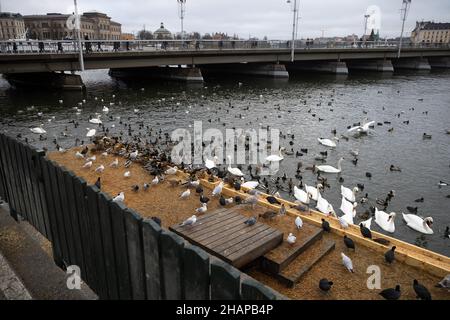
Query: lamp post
<point x="182" y="4"/>
<point x="405" y="6"/>
<point x="77" y="28"/>
<point x="294" y="28"/>
<point x="366" y="17"/>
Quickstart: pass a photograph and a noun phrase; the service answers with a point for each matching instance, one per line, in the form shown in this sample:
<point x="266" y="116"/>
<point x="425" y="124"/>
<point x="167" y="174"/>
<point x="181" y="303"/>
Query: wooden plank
<point x="20" y="172"/>
<point x="172" y="265"/>
<point x="53" y="224"/>
<point x="6" y="175"/>
<point x="99" y="268"/>
<point x="108" y="245"/>
<point x="244" y="234"/>
<point x="208" y="221"/>
<point x="121" y="250"/>
<point x="66" y="215"/>
<point x="225" y="281"/>
<point x="37" y="155"/>
<point x="150" y="237"/>
<point x="254" y="290"/>
<point x="236" y="247"/>
<point x="87" y="270"/>
<point x="201" y="219"/>
<point x="73" y="214"/>
<point x="136" y="255"/>
<point x="15" y="177"/>
<point x="196" y="273"/>
<point x="213" y="229"/>
<point x="15" y="205"/>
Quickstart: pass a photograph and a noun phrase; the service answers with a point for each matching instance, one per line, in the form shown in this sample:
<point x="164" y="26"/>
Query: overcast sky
<point x="248" y="17"/>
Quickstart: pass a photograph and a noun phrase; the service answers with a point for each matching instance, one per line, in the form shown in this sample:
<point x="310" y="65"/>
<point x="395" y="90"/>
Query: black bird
<point x="222" y="201"/>
<point x="412" y="209"/>
<point x="273" y="200"/>
<point x="135" y="188"/>
<point x="349" y="242"/>
<point x="156" y="219"/>
<point x="203" y="199"/>
<point x="237" y="185"/>
<point x="98" y="184"/>
<point x="419" y="200"/>
<point x="365" y="231"/>
<point x="447" y="232"/>
<point x="389" y="256"/>
<point x="325" y="285"/>
<point x="238" y="199"/>
<point x="391" y="294"/>
<point x="360" y="186"/>
<point x="421" y="291"/>
<point x="250" y="221"/>
<point x="382" y="241"/>
<point x="199" y="189"/>
<point x="368" y="175"/>
<point x="325" y="225"/>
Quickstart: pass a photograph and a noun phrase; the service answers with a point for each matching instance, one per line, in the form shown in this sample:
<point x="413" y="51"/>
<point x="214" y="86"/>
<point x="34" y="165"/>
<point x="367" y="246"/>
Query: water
<point x="423" y="162"/>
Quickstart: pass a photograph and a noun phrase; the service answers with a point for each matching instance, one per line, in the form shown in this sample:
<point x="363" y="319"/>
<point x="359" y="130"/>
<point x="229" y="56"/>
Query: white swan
<point x="276" y="157"/>
<point x="349" y="194"/>
<point x="349" y="210"/>
<point x="301" y="195"/>
<point x="324" y="206"/>
<point x="250" y="184"/>
<point x="367" y="223"/>
<point x="363" y="128"/>
<point x="38" y="130"/>
<point x="331" y="169"/>
<point x="91" y="132"/>
<point x="419" y="224"/>
<point x="385" y="221"/>
<point x="313" y="192"/>
<point x="96" y="120"/>
<point x="233" y="171"/>
<point x="327" y="142"/>
<point x="209" y="164"/>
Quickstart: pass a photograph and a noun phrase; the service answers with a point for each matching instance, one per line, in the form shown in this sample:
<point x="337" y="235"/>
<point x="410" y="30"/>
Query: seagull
<point x="127" y="174"/>
<point x="291" y="239"/>
<point x="134" y="155"/>
<point x="185" y="194"/>
<point x="100" y="168"/>
<point x="190" y="221"/>
<point x="115" y="163"/>
<point x="250" y="184"/>
<point x="218" y="189"/>
<point x="155" y="180"/>
<point x="363" y="128"/>
<point x="93" y="158"/>
<point x="202" y="209"/>
<point x="79" y="155"/>
<point x="347" y="262"/>
<point x="298" y="222"/>
<point x="120" y="197"/>
<point x="87" y="164"/>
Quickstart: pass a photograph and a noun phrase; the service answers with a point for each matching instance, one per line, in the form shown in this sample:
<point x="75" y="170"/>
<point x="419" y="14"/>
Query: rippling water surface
<point x="423" y="162"/>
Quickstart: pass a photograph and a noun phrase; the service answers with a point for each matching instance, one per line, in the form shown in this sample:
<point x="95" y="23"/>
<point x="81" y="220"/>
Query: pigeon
<point x="325" y="285"/>
<point x="98" y="184"/>
<point x="202" y="209"/>
<point x="444" y="283"/>
<point x="251" y="221"/>
<point x="218" y="189"/>
<point x="115" y="163"/>
<point x="325" y="225"/>
<point x="100" y="168"/>
<point x="421" y="291"/>
<point x="347" y="262"/>
<point x="190" y="221"/>
<point x="134" y="155"/>
<point x="389" y="256"/>
<point x="349" y="242"/>
<point x="391" y="293"/>
<point x="127" y="174"/>
<point x="273" y="200"/>
<point x="298" y="222"/>
<point x="120" y="197"/>
<point x="365" y="231"/>
<point x="291" y="239"/>
<point x="185" y="194"/>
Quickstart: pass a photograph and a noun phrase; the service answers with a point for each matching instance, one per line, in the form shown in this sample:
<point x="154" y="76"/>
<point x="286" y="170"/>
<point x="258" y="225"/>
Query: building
<point x="431" y="32"/>
<point x="127" y="36"/>
<point x="12" y="26"/>
<point x="53" y="26"/>
<point x="162" y="33"/>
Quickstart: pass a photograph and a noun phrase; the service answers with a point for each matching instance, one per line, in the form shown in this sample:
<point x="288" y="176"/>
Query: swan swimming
<point x="313" y="192"/>
<point x="349" y="210"/>
<point x="38" y="130"/>
<point x="209" y="164"/>
<point x="327" y="142"/>
<point x="250" y="184"/>
<point x="419" y="224"/>
<point x="324" y="206"/>
<point x="91" y="132"/>
<point x="96" y="120"/>
<point x="233" y="171"/>
<point x="301" y="195"/>
<point x="363" y="128"/>
<point x="331" y="169"/>
<point x="276" y="157"/>
<point x="349" y="194"/>
<point x="385" y="221"/>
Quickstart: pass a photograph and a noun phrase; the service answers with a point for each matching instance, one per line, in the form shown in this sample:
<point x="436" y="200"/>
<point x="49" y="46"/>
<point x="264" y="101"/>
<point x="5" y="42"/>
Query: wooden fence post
<point x="196" y="273"/>
<point x="151" y="238"/>
<point x="225" y="281"/>
<point x="172" y="265"/>
<point x="254" y="290"/>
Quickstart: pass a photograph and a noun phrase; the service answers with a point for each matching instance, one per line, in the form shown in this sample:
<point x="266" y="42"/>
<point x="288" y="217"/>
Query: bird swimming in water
<point x="391" y="293"/>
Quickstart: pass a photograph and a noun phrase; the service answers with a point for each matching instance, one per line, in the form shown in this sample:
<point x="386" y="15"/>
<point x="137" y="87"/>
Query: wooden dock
<point x="224" y="234"/>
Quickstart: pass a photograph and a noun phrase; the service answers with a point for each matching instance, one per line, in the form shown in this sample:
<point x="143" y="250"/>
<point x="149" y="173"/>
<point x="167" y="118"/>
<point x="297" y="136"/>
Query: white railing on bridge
<point x="98" y="46"/>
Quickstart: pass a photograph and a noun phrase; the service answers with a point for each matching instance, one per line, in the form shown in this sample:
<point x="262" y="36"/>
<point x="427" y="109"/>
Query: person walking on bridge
<point x="87" y="44"/>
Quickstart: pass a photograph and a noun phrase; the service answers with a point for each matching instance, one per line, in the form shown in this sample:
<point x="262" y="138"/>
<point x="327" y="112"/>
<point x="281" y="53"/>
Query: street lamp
<point x="182" y="4"/>
<point x="405" y="7"/>
<point x="78" y="27"/>
<point x="366" y="17"/>
<point x="294" y="27"/>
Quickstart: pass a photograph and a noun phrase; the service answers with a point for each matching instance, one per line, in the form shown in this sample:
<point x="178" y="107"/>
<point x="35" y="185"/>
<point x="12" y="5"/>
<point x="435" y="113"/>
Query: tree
<point x="145" y="35"/>
<point x="372" y="36"/>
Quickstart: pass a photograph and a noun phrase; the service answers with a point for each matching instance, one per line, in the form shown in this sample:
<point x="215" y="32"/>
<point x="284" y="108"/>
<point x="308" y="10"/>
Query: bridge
<point x="46" y="62"/>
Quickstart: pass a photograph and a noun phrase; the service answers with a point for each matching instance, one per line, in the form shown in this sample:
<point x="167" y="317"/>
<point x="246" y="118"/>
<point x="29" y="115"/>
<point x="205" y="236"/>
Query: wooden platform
<point x="223" y="233"/>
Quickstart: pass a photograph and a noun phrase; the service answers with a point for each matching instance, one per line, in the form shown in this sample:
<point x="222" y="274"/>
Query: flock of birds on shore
<point x="151" y="148"/>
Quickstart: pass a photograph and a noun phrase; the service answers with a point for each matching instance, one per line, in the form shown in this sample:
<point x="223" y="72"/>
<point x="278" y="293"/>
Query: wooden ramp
<point x="224" y="234"/>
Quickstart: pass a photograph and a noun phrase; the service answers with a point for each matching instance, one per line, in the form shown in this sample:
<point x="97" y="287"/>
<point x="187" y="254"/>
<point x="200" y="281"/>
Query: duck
<point x="419" y="224"/>
<point x="301" y="195"/>
<point x="349" y="194"/>
<point x="331" y="169"/>
<point x="349" y="210"/>
<point x="395" y="168"/>
<point x="327" y="142"/>
<point x="313" y="192"/>
<point x="234" y="171"/>
<point x="385" y="221"/>
<point x="276" y="157"/>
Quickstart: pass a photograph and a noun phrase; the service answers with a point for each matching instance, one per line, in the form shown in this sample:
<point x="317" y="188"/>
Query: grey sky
<point x="248" y="17"/>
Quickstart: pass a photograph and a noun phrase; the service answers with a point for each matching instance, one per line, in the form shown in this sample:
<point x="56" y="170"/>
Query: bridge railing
<point x="96" y="46"/>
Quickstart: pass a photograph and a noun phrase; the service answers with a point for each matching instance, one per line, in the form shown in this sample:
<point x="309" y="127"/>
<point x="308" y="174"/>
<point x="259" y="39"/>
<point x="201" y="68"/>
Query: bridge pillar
<point x="336" y="67"/>
<point x="188" y="74"/>
<point x="52" y="80"/>
<point x="371" y="65"/>
<point x="411" y="63"/>
<point x="272" y="70"/>
<point x="439" y="62"/>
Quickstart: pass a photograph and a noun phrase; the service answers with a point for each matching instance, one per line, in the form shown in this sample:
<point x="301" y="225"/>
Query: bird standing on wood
<point x="389" y="256"/>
